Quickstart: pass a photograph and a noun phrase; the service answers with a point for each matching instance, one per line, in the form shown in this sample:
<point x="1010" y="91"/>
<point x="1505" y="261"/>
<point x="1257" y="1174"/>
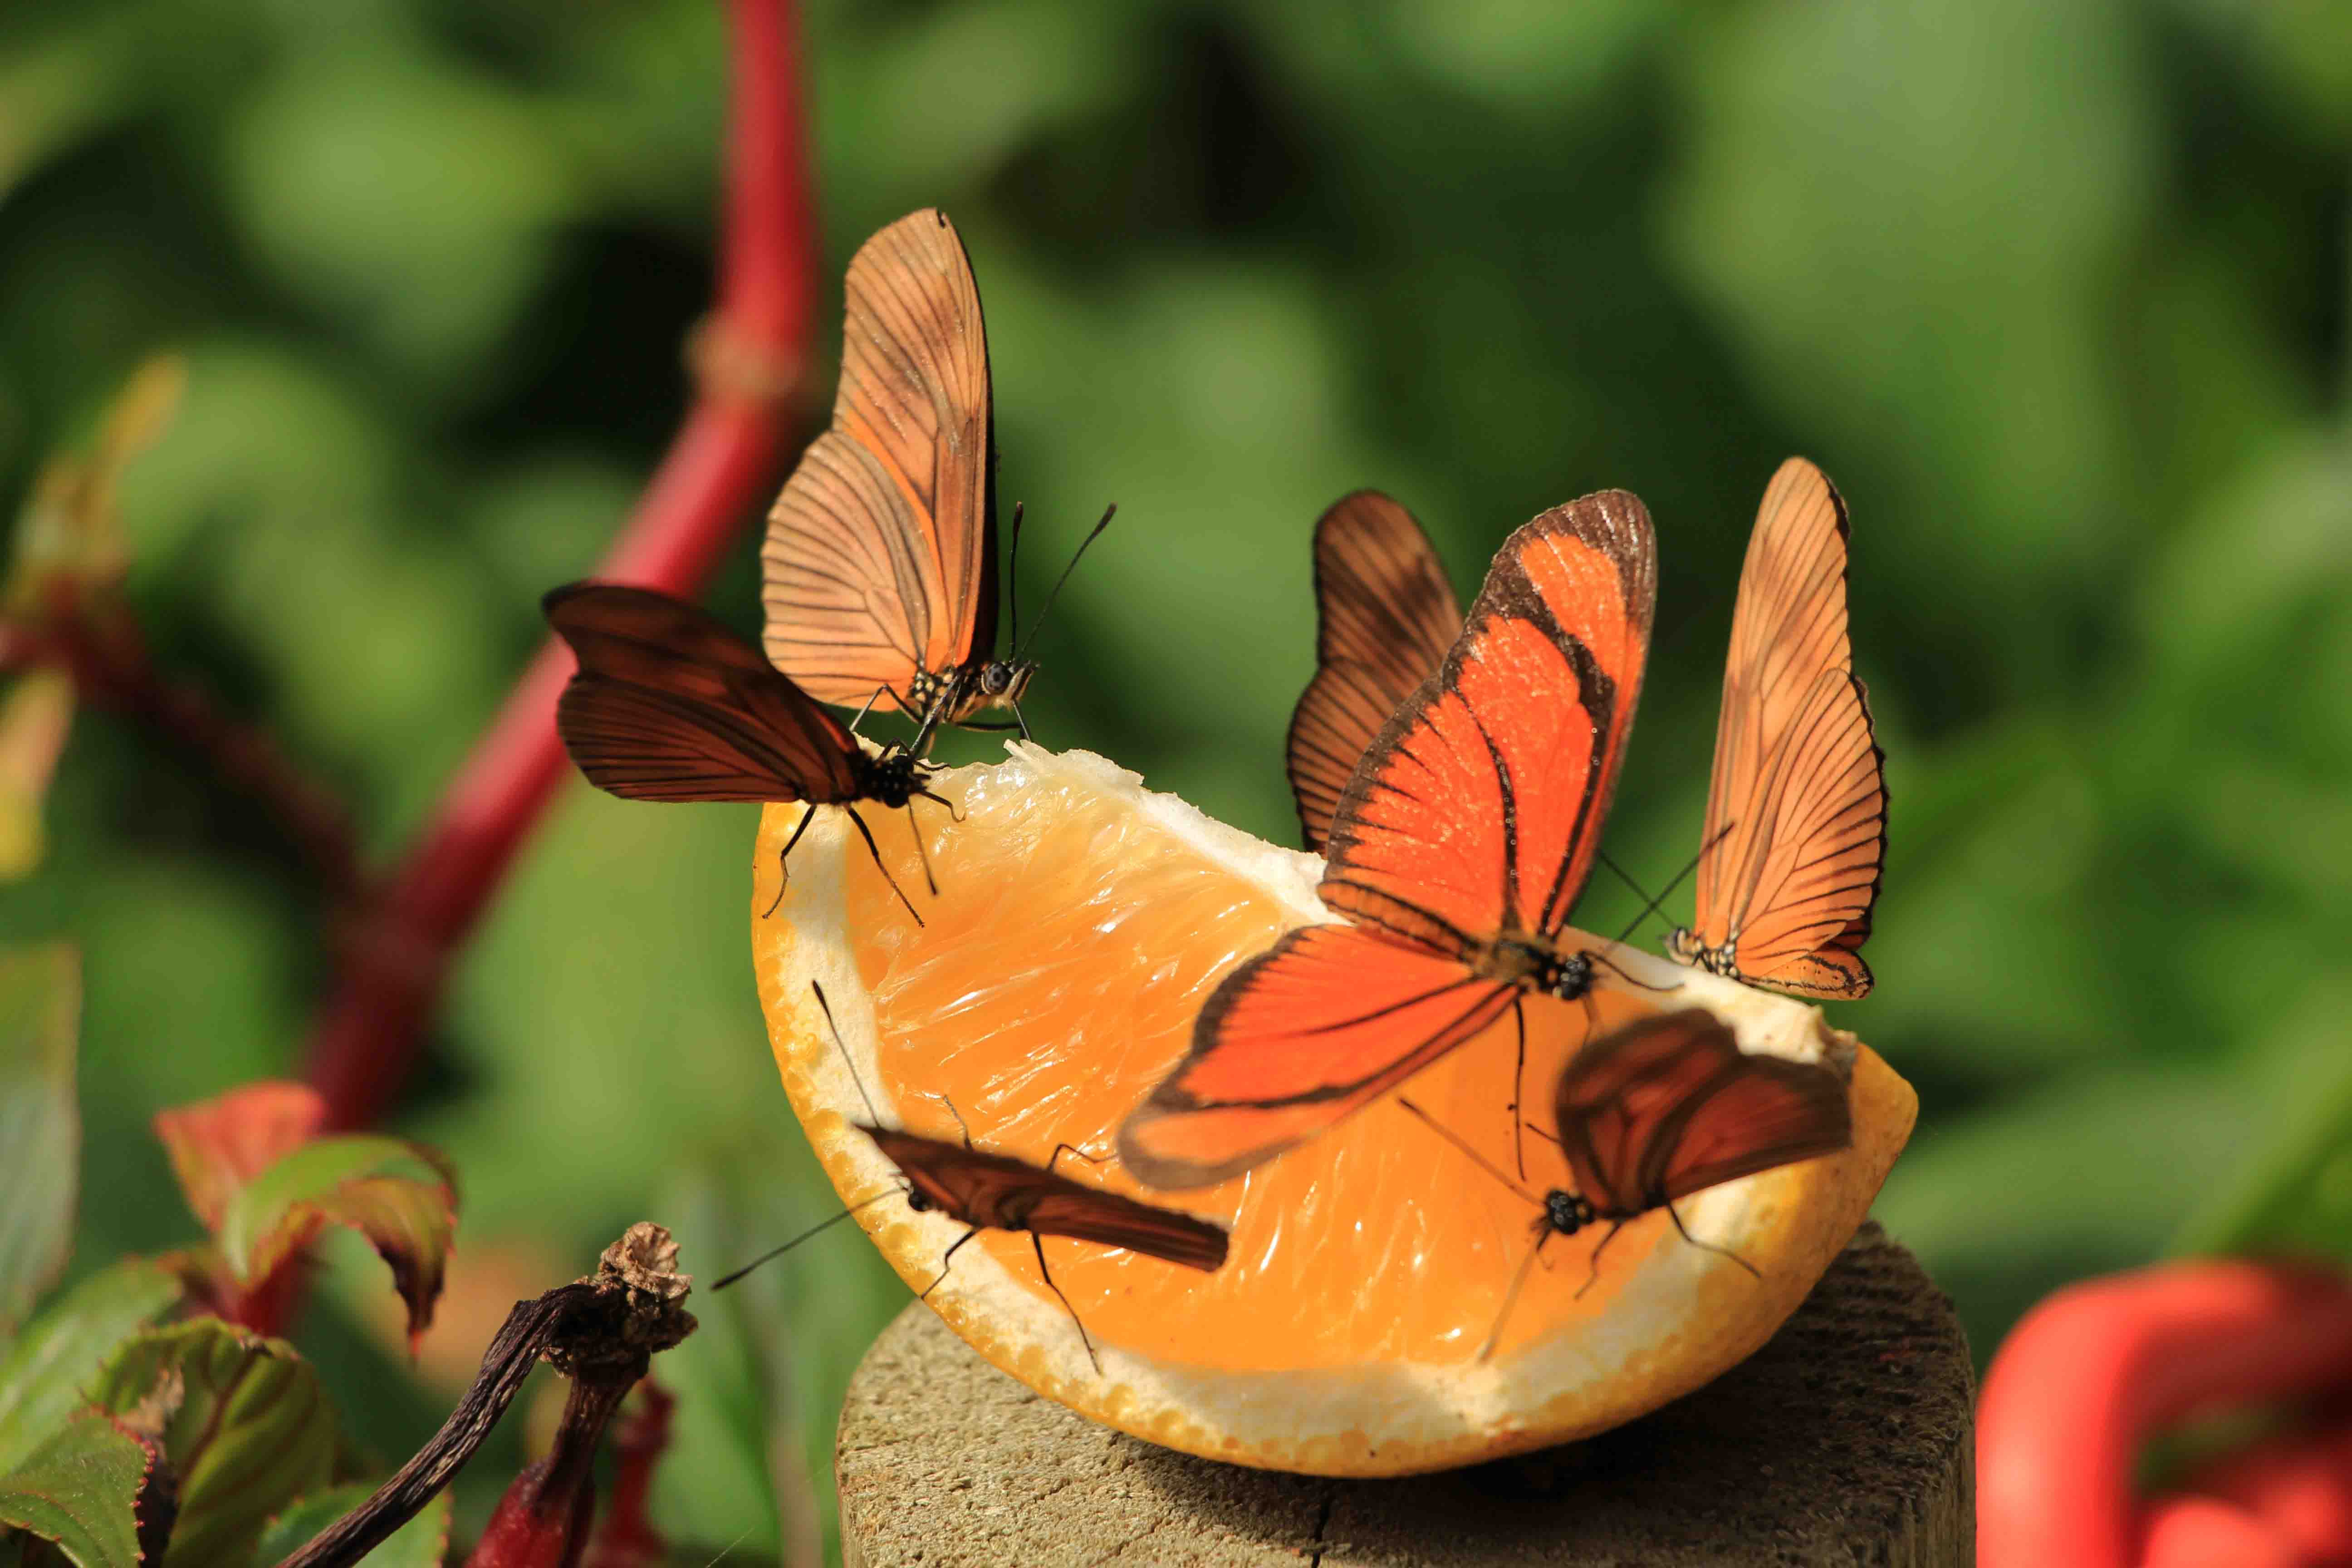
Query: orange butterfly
<point x="1796" y="812"/>
<point x="879" y="567"/>
<point x="1663" y="1109"/>
<point x="1458" y="850"/>
<point x="1385" y="615"/>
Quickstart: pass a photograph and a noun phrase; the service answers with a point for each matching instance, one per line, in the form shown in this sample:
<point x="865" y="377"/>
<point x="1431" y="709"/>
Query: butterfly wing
<point x="1796" y="816"/>
<point x="1001" y="1193"/>
<point x="1295" y="1039"/>
<point x="670" y="704"/>
<point x="1670" y="1105"/>
<point x="1385" y="617"/>
<point x="1478" y="809"/>
<point x="880" y="560"/>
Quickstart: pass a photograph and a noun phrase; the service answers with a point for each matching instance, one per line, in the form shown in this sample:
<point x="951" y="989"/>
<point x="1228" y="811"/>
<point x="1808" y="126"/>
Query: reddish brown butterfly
<point x="1385" y="615"/>
<point x="1457" y="852"/>
<point x="1796" y="811"/>
<point x="1662" y="1109"/>
<point x="670" y="704"/>
<point x="880" y="561"/>
<point x="998" y="1192"/>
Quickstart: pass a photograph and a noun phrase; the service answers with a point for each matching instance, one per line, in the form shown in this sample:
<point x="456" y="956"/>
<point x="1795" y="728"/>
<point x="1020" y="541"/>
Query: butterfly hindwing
<point x="1385" y="617"/>
<point x="880" y="560"/>
<point x="670" y="704"/>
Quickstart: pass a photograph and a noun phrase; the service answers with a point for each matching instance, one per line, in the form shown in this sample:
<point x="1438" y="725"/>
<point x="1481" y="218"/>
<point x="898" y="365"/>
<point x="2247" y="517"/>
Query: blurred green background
<point x="2056" y="290"/>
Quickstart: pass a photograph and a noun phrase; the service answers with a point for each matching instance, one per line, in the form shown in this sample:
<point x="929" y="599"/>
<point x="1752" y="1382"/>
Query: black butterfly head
<point x="1002" y="681"/>
<point x="893" y="777"/>
<point x="919" y="1202"/>
<point x="1566" y="976"/>
<point x="1565" y="1212"/>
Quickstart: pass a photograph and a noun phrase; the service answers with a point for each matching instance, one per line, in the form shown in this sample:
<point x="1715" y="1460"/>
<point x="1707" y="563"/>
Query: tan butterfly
<point x="879" y="568"/>
<point x="1796" y="810"/>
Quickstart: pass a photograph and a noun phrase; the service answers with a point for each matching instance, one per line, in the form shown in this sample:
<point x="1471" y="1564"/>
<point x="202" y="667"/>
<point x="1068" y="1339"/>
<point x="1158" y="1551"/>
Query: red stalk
<point x="748" y="360"/>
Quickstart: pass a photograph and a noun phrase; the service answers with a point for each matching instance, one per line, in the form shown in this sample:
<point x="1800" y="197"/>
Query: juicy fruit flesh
<point x="1043" y="996"/>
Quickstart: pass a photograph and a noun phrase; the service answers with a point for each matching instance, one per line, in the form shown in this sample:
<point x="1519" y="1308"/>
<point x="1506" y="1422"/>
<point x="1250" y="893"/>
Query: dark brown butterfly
<point x="1385" y="615"/>
<point x="670" y="704"/>
<point x="1796" y="812"/>
<point x="880" y="561"/>
<point x="998" y="1192"/>
<point x="1662" y="1109"/>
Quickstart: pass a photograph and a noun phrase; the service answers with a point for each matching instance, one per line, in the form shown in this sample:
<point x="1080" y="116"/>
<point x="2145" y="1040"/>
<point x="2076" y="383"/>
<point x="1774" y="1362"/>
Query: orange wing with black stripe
<point x="1475" y="816"/>
<point x="1385" y="617"/>
<point x="1796" y="814"/>
<point x="998" y="1192"/>
<point x="880" y="560"/>
<point x="670" y="704"/>
<point x="1671" y="1105"/>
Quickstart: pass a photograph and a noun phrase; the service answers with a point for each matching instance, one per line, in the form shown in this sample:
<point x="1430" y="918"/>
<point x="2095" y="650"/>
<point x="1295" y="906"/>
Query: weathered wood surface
<point x="1847" y="1440"/>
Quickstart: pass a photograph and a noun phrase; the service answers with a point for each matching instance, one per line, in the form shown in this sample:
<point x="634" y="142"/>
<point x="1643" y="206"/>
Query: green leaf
<point x="81" y="1490"/>
<point x="402" y="1197"/>
<point x="35" y="719"/>
<point x="40" y="1127"/>
<point x="252" y="1432"/>
<point x="218" y="1145"/>
<point x="41" y="1382"/>
<point x="419" y="1544"/>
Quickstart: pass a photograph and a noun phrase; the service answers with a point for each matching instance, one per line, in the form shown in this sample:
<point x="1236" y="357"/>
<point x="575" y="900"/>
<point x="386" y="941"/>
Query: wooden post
<point x="1847" y="1440"/>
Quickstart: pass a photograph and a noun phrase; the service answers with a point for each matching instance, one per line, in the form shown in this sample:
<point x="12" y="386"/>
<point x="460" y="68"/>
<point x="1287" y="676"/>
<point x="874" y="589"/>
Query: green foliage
<point x="400" y="1195"/>
<point x="81" y="1490"/>
<point x="247" y="1431"/>
<point x="419" y="1544"/>
<point x="2055" y="292"/>
<point x="47" y="1370"/>
<point x="40" y="1130"/>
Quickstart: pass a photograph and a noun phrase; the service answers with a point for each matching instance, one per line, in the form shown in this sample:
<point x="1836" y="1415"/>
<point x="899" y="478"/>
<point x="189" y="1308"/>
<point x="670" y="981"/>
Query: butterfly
<point x="1662" y="1109"/>
<point x="1385" y="615"/>
<point x="879" y="568"/>
<point x="998" y="1192"/>
<point x="670" y="704"/>
<point x="1796" y="809"/>
<point x="1456" y="854"/>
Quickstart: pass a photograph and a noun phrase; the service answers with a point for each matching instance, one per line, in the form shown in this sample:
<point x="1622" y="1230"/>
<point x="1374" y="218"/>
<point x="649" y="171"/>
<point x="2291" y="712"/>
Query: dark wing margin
<point x="1385" y="616"/>
<point x="670" y="704"/>
<point x="880" y="559"/>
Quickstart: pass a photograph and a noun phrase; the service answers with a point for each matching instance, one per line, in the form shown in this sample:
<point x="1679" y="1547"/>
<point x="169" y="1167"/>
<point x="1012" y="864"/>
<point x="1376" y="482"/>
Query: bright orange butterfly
<point x="1796" y="812"/>
<point x="1458" y="850"/>
<point x="1385" y="615"/>
<point x="881" y="561"/>
<point x="1663" y="1109"/>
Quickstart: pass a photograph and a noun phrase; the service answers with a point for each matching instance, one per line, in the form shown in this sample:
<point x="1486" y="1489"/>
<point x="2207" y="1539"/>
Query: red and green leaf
<point x="218" y="1145"/>
<point x="40" y="1126"/>
<point x="88" y="1489"/>
<point x="42" y="1380"/>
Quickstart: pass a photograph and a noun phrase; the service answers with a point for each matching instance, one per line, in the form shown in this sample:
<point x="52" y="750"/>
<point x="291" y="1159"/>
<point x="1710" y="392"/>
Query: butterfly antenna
<point x="1039" y="1243"/>
<point x="1550" y="1138"/>
<point x="1453" y="1138"/>
<point x="1610" y="964"/>
<point x="1669" y="891"/>
<point x="783" y="861"/>
<point x="871" y="849"/>
<point x="840" y="1045"/>
<point x="1511" y="1296"/>
<point x="1013" y="576"/>
<point x="1108" y="513"/>
<point x="1518" y="1085"/>
<point x="817" y="1229"/>
<point x="1708" y="1246"/>
<point x="948" y="1262"/>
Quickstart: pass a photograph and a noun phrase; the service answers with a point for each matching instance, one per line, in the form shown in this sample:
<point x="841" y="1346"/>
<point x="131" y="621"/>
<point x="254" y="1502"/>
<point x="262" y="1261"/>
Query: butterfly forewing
<point x="1797" y="804"/>
<point x="1671" y="1105"/>
<point x="1385" y="617"/>
<point x="998" y="1192"/>
<point x="670" y="704"/>
<point x="880" y="561"/>
<point x="1326" y="1019"/>
<point x="1478" y="808"/>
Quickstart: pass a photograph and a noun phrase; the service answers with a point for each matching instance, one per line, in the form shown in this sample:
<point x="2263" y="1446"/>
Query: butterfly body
<point x="1532" y="962"/>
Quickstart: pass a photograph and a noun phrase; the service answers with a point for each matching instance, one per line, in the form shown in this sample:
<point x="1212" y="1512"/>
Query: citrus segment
<point x="1080" y="920"/>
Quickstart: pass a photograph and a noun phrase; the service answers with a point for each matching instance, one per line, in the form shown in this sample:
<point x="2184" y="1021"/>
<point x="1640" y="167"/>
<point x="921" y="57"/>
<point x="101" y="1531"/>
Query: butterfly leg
<point x="948" y="1261"/>
<point x="1511" y="1296"/>
<point x="1039" y="1243"/>
<point x="1594" y="1278"/>
<point x="783" y="859"/>
<point x="1518" y="1084"/>
<point x="921" y="854"/>
<point x="871" y="849"/>
<point x="1708" y="1246"/>
<point x="1062" y="1149"/>
<point x="943" y="1099"/>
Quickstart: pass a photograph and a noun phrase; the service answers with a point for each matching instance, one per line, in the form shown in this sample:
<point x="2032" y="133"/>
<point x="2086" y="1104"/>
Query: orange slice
<point x="1080" y="922"/>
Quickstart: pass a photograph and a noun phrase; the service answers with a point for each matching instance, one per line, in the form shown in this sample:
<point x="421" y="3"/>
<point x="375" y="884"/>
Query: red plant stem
<point x="627" y="1538"/>
<point x="750" y="357"/>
